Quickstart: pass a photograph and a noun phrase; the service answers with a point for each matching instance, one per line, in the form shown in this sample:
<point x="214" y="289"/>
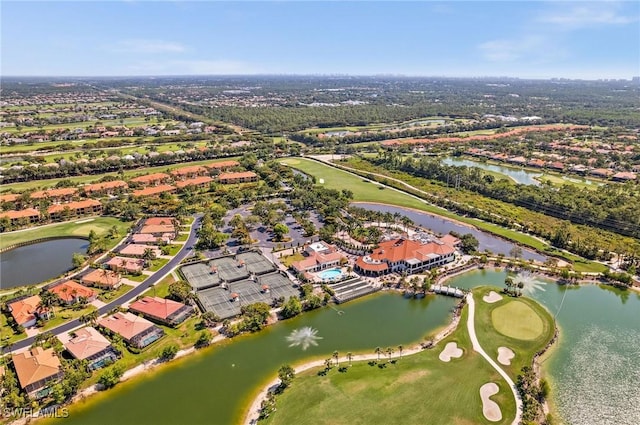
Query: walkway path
<point x="478" y="348"/>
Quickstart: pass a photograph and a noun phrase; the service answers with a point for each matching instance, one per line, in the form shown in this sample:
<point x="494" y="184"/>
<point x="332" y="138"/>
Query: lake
<point x="31" y="264"/>
<point x="518" y="175"/>
<point x="441" y="225"/>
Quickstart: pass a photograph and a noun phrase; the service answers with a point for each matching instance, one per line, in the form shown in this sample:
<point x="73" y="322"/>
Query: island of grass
<point x="419" y="388"/>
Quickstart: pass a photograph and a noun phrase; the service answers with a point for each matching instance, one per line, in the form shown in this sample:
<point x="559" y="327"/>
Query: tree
<point x="149" y="254"/>
<point x="90" y="317"/>
<point x="279" y="231"/>
<point x="204" y="339"/>
<point x="349" y="357"/>
<point x="336" y="358"/>
<point x="209" y="318"/>
<point x="169" y="352"/>
<point x="291" y="308"/>
<point x="180" y="291"/>
<point x="110" y="377"/>
<point x="378" y="350"/>
<point x="78" y="259"/>
<point x="286" y="374"/>
<point x="400" y="348"/>
<point x="516" y="252"/>
<point x="468" y="243"/>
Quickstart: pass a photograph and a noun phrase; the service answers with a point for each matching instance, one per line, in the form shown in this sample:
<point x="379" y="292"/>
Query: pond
<point x="597" y="357"/>
<point x="443" y="226"/>
<point x="31" y="264"/>
<point x="215" y="387"/>
<point x="521" y="176"/>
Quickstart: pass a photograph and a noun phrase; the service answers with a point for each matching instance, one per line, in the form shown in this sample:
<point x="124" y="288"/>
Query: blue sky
<point x="475" y="38"/>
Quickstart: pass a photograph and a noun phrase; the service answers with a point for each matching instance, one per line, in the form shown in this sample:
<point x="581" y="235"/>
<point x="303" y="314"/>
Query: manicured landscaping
<point x="160" y="289"/>
<point x="108" y="296"/>
<point x="135" y="278"/>
<point x="289" y="259"/>
<point x="517" y="320"/>
<point x="182" y="237"/>
<point x="80" y="227"/>
<point x="64" y="315"/>
<point x="157" y="264"/>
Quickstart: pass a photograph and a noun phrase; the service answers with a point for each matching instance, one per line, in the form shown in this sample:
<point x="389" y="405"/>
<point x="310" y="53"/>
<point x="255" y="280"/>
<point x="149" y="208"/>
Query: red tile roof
<point x="76" y="205"/>
<point x="102" y="277"/>
<point x="194" y="182"/>
<point x="35" y="365"/>
<point x="69" y="290"/>
<point x="127" y="325"/>
<point x="158" y="220"/>
<point x="240" y="175"/>
<point x="155" y="190"/>
<point x="156" y="307"/>
<point x="194" y="169"/>
<point x="52" y="193"/>
<point x="150" y="178"/>
<point x="24" y="310"/>
<point x="13" y="214"/>
<point x="86" y="343"/>
<point x="99" y="187"/>
<point x="222" y="164"/>
<point x="9" y="197"/>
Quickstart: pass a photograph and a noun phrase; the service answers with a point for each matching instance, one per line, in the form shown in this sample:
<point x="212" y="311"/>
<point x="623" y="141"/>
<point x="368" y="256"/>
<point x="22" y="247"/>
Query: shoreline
<point x="253" y="412"/>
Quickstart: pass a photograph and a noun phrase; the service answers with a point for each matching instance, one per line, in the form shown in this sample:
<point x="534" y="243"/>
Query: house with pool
<point x="134" y="330"/>
<point x="405" y="255"/>
<point x="37" y="369"/>
<point x="90" y="345"/>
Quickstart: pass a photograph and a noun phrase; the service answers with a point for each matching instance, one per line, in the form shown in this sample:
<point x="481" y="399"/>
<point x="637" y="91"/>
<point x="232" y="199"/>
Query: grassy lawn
<point x="182" y="237"/>
<point x="160" y="289"/>
<point x="491" y="340"/>
<point x="65" y="314"/>
<point x="417" y="389"/>
<point x="174" y="248"/>
<point x="556" y="179"/>
<point x="517" y="320"/>
<point x="100" y="225"/>
<point x="289" y="259"/>
<point x="17" y="187"/>
<point x="108" y="296"/>
<point x="135" y="278"/>
<point x="157" y="264"/>
<point x="7" y="336"/>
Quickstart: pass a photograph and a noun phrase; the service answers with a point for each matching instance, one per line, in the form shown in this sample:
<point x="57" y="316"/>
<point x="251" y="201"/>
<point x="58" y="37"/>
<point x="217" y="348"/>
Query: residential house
<point x="159" y="220"/>
<point x="154" y="190"/>
<point x="318" y="256"/>
<point x="26" y="216"/>
<point x="138" y="250"/>
<point x="102" y="278"/>
<point x="71" y="292"/>
<point x="165" y="231"/>
<point x="90" y="345"/>
<point x="37" y="369"/>
<point x="151" y="179"/>
<point x="601" y="172"/>
<point x="9" y="197"/>
<point x="126" y="265"/>
<point x="76" y="208"/>
<point x="162" y="310"/>
<point x="62" y="194"/>
<point x="240" y="177"/>
<point x="106" y="188"/>
<point x="624" y="176"/>
<point x="146" y="239"/>
<point x="222" y="165"/>
<point x="134" y="330"/>
<point x="404" y="255"/>
<point x="27" y="311"/>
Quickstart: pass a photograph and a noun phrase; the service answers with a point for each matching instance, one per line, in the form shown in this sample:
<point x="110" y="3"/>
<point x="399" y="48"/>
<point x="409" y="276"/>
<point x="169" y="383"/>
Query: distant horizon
<point x="590" y="40"/>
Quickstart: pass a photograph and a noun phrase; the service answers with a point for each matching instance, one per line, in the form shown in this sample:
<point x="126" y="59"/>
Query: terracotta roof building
<point x="138" y="250"/>
<point x="87" y="206"/>
<point x="9" y="197"/>
<point x="104" y="188"/>
<point x="162" y="310"/>
<point x="37" y="370"/>
<point x="624" y="176"/>
<point x="126" y="264"/>
<point x="102" y="278"/>
<point x="90" y="345"/>
<point x="241" y="177"/>
<point x="27" y="311"/>
<point x="152" y="221"/>
<point x="70" y="292"/>
<point x="318" y="256"/>
<point x="188" y="172"/>
<point x="222" y="165"/>
<point x="154" y="190"/>
<point x="28" y="215"/>
<point x="199" y="182"/>
<point x="151" y="179"/>
<point x="136" y="331"/>
<point x="62" y="193"/>
<point x="144" y="239"/>
<point x="404" y="255"/>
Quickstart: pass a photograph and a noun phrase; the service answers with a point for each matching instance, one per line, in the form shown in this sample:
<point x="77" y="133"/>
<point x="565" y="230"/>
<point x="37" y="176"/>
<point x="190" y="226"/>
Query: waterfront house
<point x="135" y="330"/>
<point x="162" y="310"/>
<point x="37" y="369"/>
<point x="77" y="208"/>
<point x="26" y="216"/>
<point x="27" y="311"/>
<point x="90" y="345"/>
<point x="70" y="292"/>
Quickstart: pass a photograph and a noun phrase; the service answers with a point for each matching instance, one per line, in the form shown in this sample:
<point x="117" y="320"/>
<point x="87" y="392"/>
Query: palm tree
<point x="378" y="350"/>
<point x="349" y="357"/>
<point x="389" y="351"/>
<point x="335" y="356"/>
<point x="328" y="364"/>
<point x="400" y="348"/>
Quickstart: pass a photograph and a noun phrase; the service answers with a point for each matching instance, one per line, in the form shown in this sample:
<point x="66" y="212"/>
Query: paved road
<point x="157" y="276"/>
<point x="478" y="348"/>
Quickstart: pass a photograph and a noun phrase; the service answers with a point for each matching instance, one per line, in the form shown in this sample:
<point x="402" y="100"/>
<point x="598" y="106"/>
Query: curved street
<point x="478" y="348"/>
<point x="152" y="280"/>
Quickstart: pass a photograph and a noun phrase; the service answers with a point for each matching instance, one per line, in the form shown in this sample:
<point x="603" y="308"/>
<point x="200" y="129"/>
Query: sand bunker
<point x="450" y="351"/>
<point x="505" y="355"/>
<point x="490" y="408"/>
<point x="493" y="297"/>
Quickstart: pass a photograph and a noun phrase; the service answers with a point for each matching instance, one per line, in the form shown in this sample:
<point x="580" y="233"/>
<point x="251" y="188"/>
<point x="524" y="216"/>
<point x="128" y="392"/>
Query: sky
<point x="526" y="39"/>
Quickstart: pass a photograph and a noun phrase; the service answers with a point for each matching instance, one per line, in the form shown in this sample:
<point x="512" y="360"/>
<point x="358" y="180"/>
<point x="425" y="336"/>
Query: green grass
<point x="517" y="320"/>
<point x="557" y="180"/>
<point x="7" y="336"/>
<point x="182" y="237"/>
<point x="107" y="296"/>
<point x="289" y="259"/>
<point x="135" y="278"/>
<point x="17" y="187"/>
<point x="491" y="340"/>
<point x="157" y="264"/>
<point x="128" y="122"/>
<point x="173" y="249"/>
<point x="160" y="289"/>
<point x="100" y="225"/>
<point x="64" y="315"/>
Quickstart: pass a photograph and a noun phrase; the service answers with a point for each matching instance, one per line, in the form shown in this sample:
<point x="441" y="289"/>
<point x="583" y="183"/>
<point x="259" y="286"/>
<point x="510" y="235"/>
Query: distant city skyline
<point x="577" y="40"/>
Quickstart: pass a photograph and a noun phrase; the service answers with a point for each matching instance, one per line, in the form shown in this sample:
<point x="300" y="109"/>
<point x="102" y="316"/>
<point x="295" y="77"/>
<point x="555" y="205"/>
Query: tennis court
<point x="279" y="286"/>
<point x="200" y="276"/>
<point x="229" y="269"/>
<point x="256" y="263"/>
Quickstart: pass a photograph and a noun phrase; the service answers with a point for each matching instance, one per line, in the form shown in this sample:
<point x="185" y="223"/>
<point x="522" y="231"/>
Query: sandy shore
<point x="253" y="412"/>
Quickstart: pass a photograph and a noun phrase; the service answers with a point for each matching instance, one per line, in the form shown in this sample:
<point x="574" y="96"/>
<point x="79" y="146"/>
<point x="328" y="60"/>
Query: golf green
<point x="517" y="320"/>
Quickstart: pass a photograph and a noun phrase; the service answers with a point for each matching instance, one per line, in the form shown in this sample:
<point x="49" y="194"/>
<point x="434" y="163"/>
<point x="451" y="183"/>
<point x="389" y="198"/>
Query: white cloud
<point x="510" y="50"/>
<point x="148" y="46"/>
<point x="571" y="16"/>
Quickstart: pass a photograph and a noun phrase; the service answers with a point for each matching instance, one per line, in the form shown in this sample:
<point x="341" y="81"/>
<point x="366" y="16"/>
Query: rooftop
<point x="35" y="365"/>
<point x="86" y="343"/>
<point x="156" y="306"/>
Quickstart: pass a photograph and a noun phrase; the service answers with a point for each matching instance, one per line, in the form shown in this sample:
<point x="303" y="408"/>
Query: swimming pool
<point x="331" y="274"/>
